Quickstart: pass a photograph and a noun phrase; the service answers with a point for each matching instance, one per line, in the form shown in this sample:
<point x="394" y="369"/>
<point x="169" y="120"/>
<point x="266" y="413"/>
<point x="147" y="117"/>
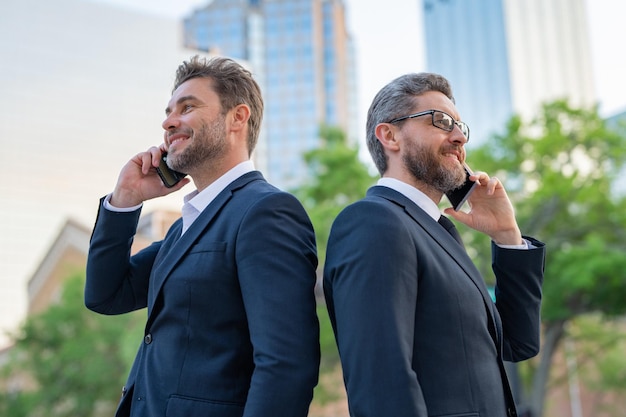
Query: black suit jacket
<point x="232" y="328"/>
<point x="417" y="331"/>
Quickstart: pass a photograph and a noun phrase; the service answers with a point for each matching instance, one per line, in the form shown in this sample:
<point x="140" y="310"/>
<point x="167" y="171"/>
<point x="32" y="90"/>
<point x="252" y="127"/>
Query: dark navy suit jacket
<point x="417" y="331"/>
<point x="232" y="328"/>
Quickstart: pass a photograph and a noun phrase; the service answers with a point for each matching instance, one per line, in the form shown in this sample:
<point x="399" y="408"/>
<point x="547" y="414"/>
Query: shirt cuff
<point x="107" y="205"/>
<point x="524" y="246"/>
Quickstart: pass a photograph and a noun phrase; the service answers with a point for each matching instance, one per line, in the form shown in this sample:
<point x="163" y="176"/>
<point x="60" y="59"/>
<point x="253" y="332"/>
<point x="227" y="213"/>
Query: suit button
<point x="147" y="339"/>
<point x="511" y="412"/>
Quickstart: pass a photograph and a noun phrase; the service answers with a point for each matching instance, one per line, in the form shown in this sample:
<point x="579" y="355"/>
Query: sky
<point x="384" y="32"/>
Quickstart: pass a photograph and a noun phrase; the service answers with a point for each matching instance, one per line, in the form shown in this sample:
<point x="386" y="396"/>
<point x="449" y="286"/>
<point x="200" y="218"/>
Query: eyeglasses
<point x="440" y="119"/>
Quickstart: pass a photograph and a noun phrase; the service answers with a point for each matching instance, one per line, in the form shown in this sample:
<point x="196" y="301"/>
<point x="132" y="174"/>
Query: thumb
<point x="460" y="216"/>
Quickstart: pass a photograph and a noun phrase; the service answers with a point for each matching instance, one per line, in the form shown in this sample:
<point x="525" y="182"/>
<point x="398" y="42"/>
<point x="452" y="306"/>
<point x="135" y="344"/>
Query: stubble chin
<point x="176" y="160"/>
<point x="205" y="146"/>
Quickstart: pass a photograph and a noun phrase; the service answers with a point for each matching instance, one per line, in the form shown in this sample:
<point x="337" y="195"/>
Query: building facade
<point x="301" y="54"/>
<point x="509" y="56"/>
<point x="85" y="85"/>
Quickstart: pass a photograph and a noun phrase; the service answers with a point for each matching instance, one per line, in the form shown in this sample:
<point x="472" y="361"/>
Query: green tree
<point x="560" y="170"/>
<point x="598" y="346"/>
<point x="338" y="178"/>
<point x="75" y="361"/>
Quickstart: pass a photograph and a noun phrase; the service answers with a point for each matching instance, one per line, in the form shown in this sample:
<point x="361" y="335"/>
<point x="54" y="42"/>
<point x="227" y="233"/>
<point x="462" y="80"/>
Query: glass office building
<point x="302" y="56"/>
<point x="509" y="56"/>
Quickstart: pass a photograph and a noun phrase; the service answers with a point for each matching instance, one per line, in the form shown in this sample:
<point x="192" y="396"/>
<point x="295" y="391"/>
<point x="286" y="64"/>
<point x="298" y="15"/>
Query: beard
<point x="207" y="144"/>
<point x="424" y="164"/>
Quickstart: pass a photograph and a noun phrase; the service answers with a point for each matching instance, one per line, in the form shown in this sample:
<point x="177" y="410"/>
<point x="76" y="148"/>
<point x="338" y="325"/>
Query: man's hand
<point x="138" y="181"/>
<point x="491" y="211"/>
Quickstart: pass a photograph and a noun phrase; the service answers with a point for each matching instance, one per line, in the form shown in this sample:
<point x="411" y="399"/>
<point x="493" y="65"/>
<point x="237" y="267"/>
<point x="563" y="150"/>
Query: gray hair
<point x="397" y="99"/>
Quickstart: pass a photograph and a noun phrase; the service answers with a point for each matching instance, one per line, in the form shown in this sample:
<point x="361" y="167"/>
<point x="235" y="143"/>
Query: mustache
<point x="184" y="131"/>
<point x="453" y="148"/>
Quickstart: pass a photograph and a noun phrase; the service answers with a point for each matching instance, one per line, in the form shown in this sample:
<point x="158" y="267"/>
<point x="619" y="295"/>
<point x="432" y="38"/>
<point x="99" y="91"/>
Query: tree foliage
<point x="338" y="178"/>
<point x="601" y="343"/>
<point x="69" y="361"/>
<point x="560" y="170"/>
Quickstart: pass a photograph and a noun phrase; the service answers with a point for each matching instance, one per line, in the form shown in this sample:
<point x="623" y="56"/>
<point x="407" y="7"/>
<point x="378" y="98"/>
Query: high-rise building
<point x="509" y="56"/>
<point x="301" y="54"/>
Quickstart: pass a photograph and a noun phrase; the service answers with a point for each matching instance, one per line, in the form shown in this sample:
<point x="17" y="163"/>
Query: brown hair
<point x="233" y="84"/>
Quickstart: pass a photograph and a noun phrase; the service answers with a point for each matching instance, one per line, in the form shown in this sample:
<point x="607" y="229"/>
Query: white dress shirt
<point x="425" y="203"/>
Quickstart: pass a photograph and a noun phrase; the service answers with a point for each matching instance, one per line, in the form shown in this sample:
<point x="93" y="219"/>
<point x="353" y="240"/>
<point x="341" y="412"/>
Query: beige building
<point x="66" y="257"/>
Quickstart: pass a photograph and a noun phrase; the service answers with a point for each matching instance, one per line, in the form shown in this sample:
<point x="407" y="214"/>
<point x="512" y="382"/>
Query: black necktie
<point x="449" y="226"/>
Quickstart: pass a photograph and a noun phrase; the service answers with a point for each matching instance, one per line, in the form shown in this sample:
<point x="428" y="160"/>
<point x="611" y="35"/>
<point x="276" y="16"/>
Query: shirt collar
<point x="200" y="200"/>
<point x="413" y="194"/>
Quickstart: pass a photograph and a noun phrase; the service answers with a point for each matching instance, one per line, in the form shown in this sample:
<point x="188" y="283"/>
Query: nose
<point x="170" y="122"/>
<point x="457" y="135"/>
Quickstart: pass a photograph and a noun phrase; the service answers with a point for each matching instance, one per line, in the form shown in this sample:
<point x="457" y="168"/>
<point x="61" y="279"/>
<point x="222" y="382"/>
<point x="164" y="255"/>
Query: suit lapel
<point x="175" y="248"/>
<point x="440" y="235"/>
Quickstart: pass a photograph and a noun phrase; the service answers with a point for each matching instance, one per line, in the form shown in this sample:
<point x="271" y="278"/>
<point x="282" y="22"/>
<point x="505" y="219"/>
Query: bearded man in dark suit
<point x="232" y="328"/>
<point x="417" y="331"/>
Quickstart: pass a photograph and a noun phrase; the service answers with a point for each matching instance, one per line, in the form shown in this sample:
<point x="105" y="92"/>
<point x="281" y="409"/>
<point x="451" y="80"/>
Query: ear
<point x="239" y="117"/>
<point x="386" y="134"/>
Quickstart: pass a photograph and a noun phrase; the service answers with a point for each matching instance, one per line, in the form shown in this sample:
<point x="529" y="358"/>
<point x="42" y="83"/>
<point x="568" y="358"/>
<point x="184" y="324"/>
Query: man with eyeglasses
<point x="417" y="331"/>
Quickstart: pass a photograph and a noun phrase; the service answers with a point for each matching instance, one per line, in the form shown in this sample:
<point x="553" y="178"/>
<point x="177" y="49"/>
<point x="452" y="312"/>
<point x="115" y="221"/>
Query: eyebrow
<point x="180" y="101"/>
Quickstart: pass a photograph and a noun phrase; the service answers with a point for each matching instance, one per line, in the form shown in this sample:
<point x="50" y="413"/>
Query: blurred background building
<point x="302" y="55"/>
<point x="84" y="88"/>
<point x="509" y="56"/>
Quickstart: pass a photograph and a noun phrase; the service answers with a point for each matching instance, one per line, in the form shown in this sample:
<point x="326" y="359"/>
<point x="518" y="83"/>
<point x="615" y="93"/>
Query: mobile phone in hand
<point x="459" y="196"/>
<point x="169" y="177"/>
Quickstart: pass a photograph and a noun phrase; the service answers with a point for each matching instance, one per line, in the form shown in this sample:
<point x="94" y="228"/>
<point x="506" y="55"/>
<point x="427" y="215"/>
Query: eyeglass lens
<point x="446" y="122"/>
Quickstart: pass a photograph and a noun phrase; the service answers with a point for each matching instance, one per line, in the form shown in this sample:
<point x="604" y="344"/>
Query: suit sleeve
<point x="519" y="277"/>
<point x="276" y="262"/>
<point x="117" y="283"/>
<point x="371" y="297"/>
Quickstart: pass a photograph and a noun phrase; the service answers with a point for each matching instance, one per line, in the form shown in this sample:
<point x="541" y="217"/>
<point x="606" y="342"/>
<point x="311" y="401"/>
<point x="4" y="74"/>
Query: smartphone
<point x="169" y="177"/>
<point x="459" y="196"/>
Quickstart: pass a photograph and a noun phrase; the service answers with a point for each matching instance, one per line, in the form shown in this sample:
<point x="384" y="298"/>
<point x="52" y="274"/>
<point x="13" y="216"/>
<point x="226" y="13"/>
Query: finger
<point x="460" y="216"/>
<point x="146" y="162"/>
<point x="491" y="186"/>
<point x="480" y="177"/>
<point x="180" y="184"/>
<point x="155" y="156"/>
